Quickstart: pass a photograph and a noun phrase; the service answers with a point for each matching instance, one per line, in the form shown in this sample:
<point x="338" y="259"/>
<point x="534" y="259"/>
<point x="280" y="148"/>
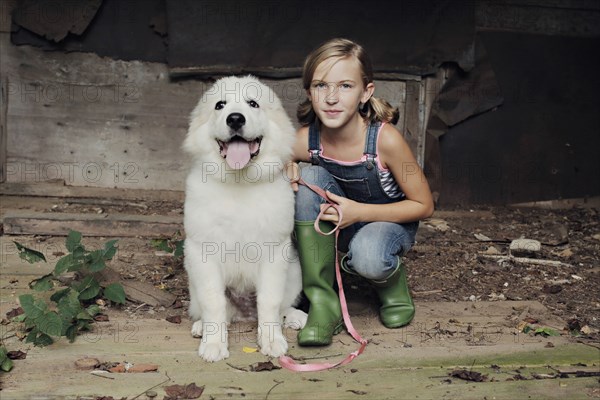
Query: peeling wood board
<point x="59" y="189"/>
<point x="113" y="225"/>
<point x="73" y="17"/>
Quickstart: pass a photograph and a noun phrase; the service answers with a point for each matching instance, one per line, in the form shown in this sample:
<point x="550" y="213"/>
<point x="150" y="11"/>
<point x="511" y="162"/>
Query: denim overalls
<point x="372" y="248"/>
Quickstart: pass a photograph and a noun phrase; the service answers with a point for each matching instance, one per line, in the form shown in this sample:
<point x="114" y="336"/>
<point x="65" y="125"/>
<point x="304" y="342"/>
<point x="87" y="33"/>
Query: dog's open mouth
<point x="237" y="152"/>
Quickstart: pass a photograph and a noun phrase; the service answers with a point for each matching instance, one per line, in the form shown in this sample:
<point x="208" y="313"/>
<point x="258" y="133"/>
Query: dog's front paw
<point x="197" y="329"/>
<point x="212" y="352"/>
<point x="273" y="346"/>
<point x="294" y="318"/>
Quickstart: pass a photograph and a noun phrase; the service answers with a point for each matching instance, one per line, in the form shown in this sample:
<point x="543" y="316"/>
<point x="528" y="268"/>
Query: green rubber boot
<point x="397" y="307"/>
<point x="317" y="257"/>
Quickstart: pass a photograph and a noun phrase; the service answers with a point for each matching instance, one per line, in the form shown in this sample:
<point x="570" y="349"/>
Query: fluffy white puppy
<point x="239" y="215"/>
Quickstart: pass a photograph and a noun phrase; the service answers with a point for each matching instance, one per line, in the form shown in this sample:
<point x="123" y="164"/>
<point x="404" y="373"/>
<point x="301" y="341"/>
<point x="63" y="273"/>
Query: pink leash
<point x="288" y="362"/>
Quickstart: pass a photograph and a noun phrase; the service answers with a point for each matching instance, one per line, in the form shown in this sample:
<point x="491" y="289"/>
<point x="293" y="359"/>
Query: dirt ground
<point x="457" y="257"/>
<point x="452" y="266"/>
<point x="460" y="258"/>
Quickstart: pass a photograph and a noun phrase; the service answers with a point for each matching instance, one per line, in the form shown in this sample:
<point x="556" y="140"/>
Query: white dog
<point x="239" y="215"/>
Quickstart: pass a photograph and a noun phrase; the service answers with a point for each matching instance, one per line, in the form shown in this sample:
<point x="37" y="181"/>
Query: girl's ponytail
<point x="377" y="109"/>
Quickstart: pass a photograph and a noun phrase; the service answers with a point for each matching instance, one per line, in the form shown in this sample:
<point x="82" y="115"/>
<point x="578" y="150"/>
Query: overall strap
<point x="314" y="143"/>
<point x="371" y="144"/>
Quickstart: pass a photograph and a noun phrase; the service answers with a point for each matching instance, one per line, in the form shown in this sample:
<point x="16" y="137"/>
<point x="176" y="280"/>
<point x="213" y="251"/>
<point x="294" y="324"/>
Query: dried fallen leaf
<point x="517" y="377"/>
<point x="438" y="224"/>
<point x="574" y="324"/>
<point x="566" y="253"/>
<point x="106" y="366"/>
<point x="15" y="312"/>
<point x="16" y="355"/>
<point x="119" y="368"/>
<point x="481" y="237"/>
<point x="177" y="304"/>
<point x="472" y="376"/>
<point x="492" y="250"/>
<point x="174" y="319"/>
<point x="522" y="325"/>
<point x="263" y="366"/>
<point x="133" y="368"/>
<point x="87" y="363"/>
<point x="249" y="349"/>
<point x="101" y="318"/>
<point x="358" y="392"/>
<point x="143" y="368"/>
<point x="176" y="392"/>
<point x="587" y="330"/>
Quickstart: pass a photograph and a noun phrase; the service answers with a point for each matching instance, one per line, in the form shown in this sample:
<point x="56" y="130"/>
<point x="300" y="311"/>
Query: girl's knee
<point x="377" y="247"/>
<point x="371" y="266"/>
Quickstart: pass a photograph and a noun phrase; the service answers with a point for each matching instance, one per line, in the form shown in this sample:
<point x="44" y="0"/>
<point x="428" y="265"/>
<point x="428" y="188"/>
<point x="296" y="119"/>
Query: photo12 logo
<point x="73" y="172"/>
<point x="49" y="92"/>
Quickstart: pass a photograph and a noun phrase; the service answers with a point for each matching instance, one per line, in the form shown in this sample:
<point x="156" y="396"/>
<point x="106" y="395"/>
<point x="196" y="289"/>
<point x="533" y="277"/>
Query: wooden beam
<point x="107" y="225"/>
<point x="3" y="125"/>
<point x="59" y="189"/>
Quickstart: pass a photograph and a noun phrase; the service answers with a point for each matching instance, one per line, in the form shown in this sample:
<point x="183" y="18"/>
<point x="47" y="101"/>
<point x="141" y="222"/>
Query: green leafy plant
<point x="172" y="245"/>
<point x="6" y="363"/>
<point x="74" y="306"/>
<point x="543" y="331"/>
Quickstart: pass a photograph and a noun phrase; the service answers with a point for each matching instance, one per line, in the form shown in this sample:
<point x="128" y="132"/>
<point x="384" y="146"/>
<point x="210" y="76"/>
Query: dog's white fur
<point x="238" y="222"/>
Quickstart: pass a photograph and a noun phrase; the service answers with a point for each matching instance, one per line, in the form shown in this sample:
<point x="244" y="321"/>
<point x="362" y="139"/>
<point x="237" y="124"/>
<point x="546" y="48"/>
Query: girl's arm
<point x="395" y="154"/>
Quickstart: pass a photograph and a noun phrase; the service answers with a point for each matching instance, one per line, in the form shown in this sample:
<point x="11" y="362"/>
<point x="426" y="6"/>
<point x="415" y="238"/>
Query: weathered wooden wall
<point x="93" y="121"/>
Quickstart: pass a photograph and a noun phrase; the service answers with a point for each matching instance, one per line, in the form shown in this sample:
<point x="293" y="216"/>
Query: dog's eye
<point x="253" y="104"/>
<point x="220" y="105"/>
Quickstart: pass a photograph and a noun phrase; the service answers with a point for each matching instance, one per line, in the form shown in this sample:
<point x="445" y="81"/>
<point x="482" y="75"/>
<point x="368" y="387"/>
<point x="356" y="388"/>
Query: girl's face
<point x="337" y="90"/>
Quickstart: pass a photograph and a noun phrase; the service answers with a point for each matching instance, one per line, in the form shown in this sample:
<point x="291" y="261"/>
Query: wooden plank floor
<point x="413" y="362"/>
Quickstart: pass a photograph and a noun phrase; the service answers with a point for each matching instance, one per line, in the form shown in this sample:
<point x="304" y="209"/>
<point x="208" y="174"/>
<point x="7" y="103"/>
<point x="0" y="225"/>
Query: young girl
<point x="368" y="169"/>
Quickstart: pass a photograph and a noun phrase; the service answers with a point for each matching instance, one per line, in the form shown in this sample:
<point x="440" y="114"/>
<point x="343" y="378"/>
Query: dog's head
<point x="241" y="121"/>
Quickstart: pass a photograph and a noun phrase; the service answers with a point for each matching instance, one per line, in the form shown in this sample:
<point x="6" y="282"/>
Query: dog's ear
<point x="198" y="118"/>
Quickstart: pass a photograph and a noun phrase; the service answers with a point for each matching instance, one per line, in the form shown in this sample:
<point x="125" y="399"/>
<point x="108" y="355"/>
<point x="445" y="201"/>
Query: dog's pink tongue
<point x="238" y="154"/>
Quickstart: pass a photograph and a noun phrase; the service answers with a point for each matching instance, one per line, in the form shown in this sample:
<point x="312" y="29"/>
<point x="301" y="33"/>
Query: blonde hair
<point x="375" y="109"/>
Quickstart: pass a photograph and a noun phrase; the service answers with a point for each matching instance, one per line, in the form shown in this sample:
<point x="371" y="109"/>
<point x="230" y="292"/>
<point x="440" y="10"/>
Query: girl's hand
<point x="350" y="210"/>
<point x="292" y="172"/>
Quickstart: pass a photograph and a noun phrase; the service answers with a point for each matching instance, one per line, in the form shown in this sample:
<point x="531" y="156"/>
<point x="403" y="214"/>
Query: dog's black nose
<point x="235" y="121"/>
